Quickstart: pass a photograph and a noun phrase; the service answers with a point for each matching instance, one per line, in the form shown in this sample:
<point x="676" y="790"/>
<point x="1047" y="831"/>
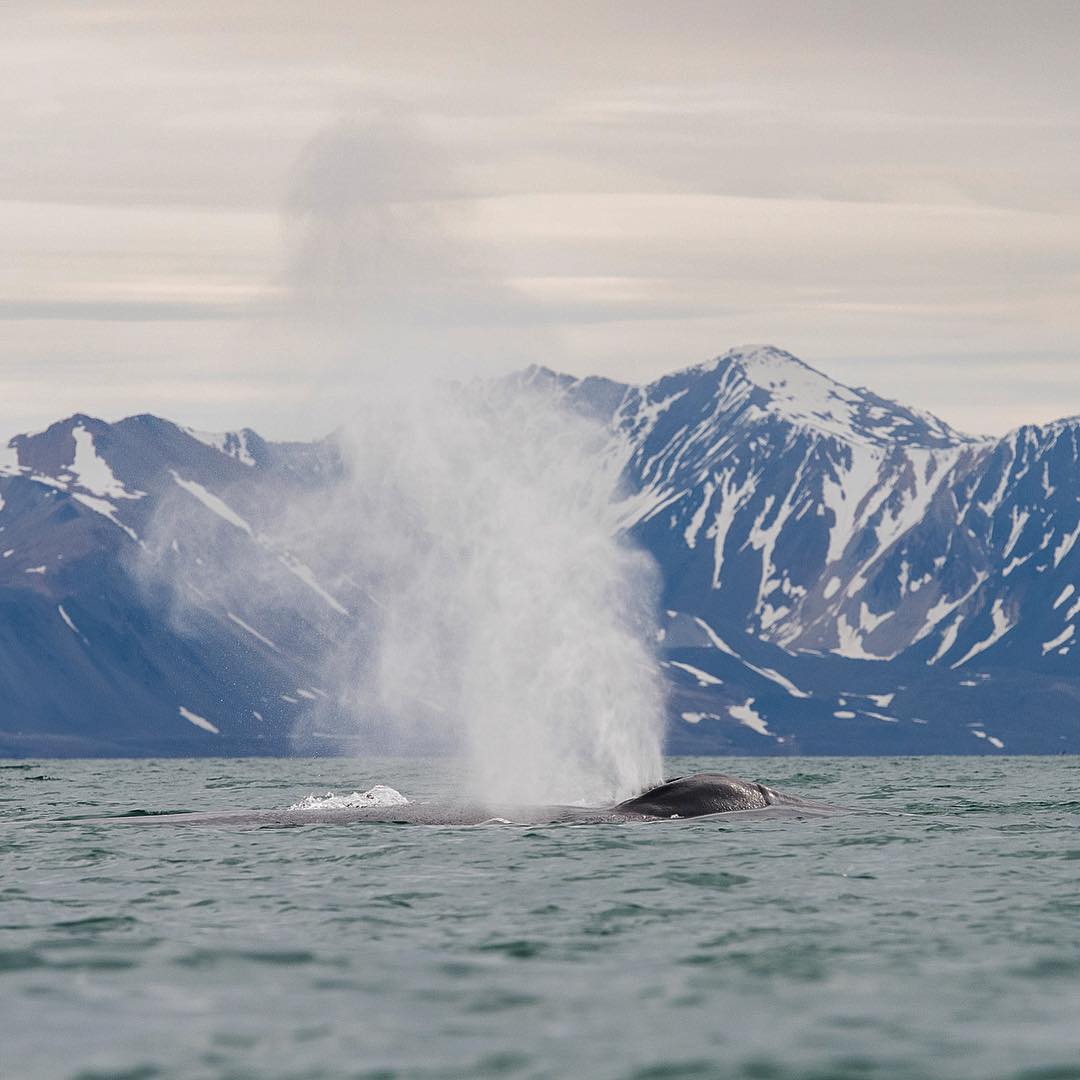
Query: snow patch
<point x="766" y="673"/>
<point x="71" y="625"/>
<point x="948" y="639"/>
<point x="232" y="443"/>
<point x="798" y="392"/>
<point x="1002" y="625"/>
<point x="846" y="494"/>
<point x="92" y="472"/>
<point x="1019" y="520"/>
<point x="252" y="631"/>
<point x="1055" y="643"/>
<point x="106" y="510"/>
<point x="868" y="620"/>
<point x="703" y="677"/>
<point x="849" y="642"/>
<point x="690" y="533"/>
<point x="305" y="574"/>
<point x="212" y="502"/>
<point x="732" y="498"/>
<point x="749" y="717"/>
<point x="1066" y="545"/>
<point x="198" y="721"/>
<point x="944" y="607"/>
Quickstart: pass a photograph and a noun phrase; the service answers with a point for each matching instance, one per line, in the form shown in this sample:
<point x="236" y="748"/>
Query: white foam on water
<point x="379" y="795"/>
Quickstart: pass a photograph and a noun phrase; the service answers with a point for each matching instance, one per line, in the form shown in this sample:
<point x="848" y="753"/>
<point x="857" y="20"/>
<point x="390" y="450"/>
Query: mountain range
<point x="840" y="574"/>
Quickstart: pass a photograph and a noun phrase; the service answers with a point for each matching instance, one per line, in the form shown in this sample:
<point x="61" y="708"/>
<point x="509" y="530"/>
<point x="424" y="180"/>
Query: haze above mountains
<point x="840" y="574"/>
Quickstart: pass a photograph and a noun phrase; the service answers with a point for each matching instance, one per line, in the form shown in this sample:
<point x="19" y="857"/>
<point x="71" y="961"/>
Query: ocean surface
<point x="939" y="940"/>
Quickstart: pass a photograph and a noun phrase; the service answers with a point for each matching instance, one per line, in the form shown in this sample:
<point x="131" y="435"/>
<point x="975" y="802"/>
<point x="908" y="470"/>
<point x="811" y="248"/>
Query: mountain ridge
<point x="841" y="573"/>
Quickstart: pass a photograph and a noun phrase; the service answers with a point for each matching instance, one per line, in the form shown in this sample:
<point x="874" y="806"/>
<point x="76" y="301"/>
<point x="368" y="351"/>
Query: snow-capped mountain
<point x="890" y="570"/>
<point x="97" y="657"/>
<point x="787" y="493"/>
<point x="841" y="574"/>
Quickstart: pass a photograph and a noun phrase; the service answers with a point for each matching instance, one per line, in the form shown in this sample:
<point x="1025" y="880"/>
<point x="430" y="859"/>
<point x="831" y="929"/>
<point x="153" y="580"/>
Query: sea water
<point x="941" y="939"/>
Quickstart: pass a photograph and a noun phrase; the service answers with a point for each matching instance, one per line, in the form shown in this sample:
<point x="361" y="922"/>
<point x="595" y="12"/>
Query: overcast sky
<point x="222" y="212"/>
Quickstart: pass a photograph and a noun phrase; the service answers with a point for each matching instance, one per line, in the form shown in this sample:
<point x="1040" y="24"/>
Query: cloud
<point x="116" y="311"/>
<point x="609" y="187"/>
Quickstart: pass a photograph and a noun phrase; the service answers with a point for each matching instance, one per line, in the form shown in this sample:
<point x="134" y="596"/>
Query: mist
<point x="506" y="620"/>
<point x="382" y="279"/>
<point x="495" y="611"/>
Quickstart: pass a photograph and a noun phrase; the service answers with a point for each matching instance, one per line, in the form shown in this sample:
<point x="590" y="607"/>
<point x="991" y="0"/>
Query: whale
<point x="678" y="799"/>
<point x="702" y="794"/>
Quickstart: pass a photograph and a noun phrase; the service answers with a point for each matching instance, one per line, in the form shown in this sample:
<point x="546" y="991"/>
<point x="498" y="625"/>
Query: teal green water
<point x="941" y="944"/>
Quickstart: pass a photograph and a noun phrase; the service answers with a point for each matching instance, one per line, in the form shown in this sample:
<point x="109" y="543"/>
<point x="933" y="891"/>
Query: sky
<point x="236" y="214"/>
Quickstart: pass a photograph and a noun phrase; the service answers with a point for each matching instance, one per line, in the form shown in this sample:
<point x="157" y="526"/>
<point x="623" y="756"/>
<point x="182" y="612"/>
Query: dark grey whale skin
<point x="700" y="795"/>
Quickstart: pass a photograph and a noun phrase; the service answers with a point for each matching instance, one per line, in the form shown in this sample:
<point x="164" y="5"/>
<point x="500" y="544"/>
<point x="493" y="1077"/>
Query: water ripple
<point x="937" y="940"/>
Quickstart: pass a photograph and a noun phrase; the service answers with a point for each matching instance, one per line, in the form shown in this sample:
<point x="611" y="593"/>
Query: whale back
<point x="683" y="797"/>
<point x="702" y="793"/>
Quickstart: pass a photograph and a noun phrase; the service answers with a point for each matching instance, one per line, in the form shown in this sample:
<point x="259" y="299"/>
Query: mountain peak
<point x="794" y="387"/>
<point x="805" y="396"/>
<point x="242" y="445"/>
<point x="65" y="426"/>
<point x="772" y="368"/>
<point x="768" y="357"/>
